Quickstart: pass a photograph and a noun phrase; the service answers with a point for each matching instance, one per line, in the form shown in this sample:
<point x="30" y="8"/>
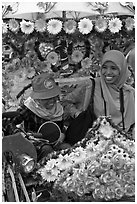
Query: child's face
<point x="47" y="103"/>
<point x="110" y="72"/>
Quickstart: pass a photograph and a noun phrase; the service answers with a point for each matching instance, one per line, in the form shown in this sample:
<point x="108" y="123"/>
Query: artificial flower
<point x="54" y="26"/>
<point x="86" y="63"/>
<point x="106" y="130"/>
<point x="27" y="27"/>
<point x="40" y="25"/>
<point x="119" y="192"/>
<point x="115" y="25"/>
<point x="46" y="67"/>
<point x="85" y="26"/>
<point x="52" y="57"/>
<point x="77" y="173"/>
<point x="130" y="189"/>
<point x="70" y="26"/>
<point x="117" y="161"/>
<point x="64" y="162"/>
<point x="77" y="56"/>
<point x="101" y="25"/>
<point x="110" y="193"/>
<point x="105" y="164"/>
<point x="13" y="25"/>
<point x="129" y="23"/>
<point x="99" y="192"/>
<point x="4" y="27"/>
<point x="45" y="48"/>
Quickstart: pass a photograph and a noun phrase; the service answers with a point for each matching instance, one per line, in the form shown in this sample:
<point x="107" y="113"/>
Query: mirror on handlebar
<point x="50" y="131"/>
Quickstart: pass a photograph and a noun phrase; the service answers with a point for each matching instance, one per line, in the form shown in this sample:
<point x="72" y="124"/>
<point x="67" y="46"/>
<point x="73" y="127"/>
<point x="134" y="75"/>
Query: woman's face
<point x="47" y="103"/>
<point x="110" y="72"/>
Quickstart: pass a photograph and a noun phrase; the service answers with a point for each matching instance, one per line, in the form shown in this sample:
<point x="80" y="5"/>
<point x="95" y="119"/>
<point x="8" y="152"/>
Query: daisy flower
<point x="52" y="57"/>
<point x="101" y="25"/>
<point x="27" y="27"/>
<point x="70" y="26"/>
<point x="85" y="26"/>
<point x="64" y="162"/>
<point x="13" y="25"/>
<point x="115" y="25"/>
<point x="40" y="25"/>
<point x="86" y="63"/>
<point x="129" y="23"/>
<point x="54" y="26"/>
<point x="46" y="66"/>
<point x="77" y="56"/>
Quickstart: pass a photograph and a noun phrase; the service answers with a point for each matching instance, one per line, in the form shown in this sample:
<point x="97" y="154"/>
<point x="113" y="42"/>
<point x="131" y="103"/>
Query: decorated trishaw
<point x="66" y="40"/>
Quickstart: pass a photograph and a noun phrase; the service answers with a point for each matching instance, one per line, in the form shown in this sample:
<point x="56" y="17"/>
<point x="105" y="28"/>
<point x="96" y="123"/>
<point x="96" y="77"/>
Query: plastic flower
<point x="54" y="26"/>
<point x="101" y="25"/>
<point x="4" y="27"/>
<point x="119" y="191"/>
<point x="106" y="130"/>
<point x="70" y="26"/>
<point x="115" y="25"/>
<point x="86" y="63"/>
<point x="105" y="164"/>
<point x="118" y="161"/>
<point x="79" y="155"/>
<point x="129" y="23"/>
<point x="77" y="56"/>
<point x="47" y="174"/>
<point x="52" y="57"/>
<point x="109" y="177"/>
<point x="129" y="189"/>
<point x="46" y="67"/>
<point x="64" y="162"/>
<point x="99" y="192"/>
<point x="40" y="25"/>
<point x="27" y="27"/>
<point x="13" y="25"/>
<point x="110" y="193"/>
<point x="45" y="48"/>
<point x="85" y="26"/>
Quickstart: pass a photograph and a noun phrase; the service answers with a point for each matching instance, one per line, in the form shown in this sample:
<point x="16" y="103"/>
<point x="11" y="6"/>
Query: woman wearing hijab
<point x="112" y="97"/>
<point x="41" y="106"/>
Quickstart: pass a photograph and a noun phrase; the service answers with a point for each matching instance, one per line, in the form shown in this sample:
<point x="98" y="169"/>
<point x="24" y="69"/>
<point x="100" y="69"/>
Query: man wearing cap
<point x="42" y="105"/>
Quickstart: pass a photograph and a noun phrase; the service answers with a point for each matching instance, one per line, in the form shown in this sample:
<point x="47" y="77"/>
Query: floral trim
<point x="27" y="27"/>
<point x="54" y="26"/>
<point x="84" y="26"/>
<point x="13" y="25"/>
<point x="115" y="25"/>
<point x="101" y="166"/>
<point x="129" y="23"/>
<point x="40" y="25"/>
<point x="70" y="26"/>
<point x="101" y="25"/>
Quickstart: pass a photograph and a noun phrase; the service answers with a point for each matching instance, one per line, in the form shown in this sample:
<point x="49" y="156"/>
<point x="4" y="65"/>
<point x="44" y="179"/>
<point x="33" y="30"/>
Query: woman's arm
<point x="74" y="102"/>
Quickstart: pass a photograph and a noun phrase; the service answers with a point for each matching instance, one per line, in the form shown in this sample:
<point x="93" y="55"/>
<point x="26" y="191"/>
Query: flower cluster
<point x="84" y="26"/>
<point x="101" y="166"/>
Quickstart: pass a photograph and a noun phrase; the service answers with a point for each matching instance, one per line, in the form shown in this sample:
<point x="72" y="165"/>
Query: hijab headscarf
<point x="110" y="92"/>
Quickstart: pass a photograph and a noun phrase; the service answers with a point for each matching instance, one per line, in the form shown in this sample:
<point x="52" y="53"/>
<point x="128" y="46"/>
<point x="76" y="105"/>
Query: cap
<point x="44" y="87"/>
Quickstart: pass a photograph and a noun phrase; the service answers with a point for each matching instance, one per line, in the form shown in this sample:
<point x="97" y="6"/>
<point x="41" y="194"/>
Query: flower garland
<point x="101" y="167"/>
<point x="84" y="26"/>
